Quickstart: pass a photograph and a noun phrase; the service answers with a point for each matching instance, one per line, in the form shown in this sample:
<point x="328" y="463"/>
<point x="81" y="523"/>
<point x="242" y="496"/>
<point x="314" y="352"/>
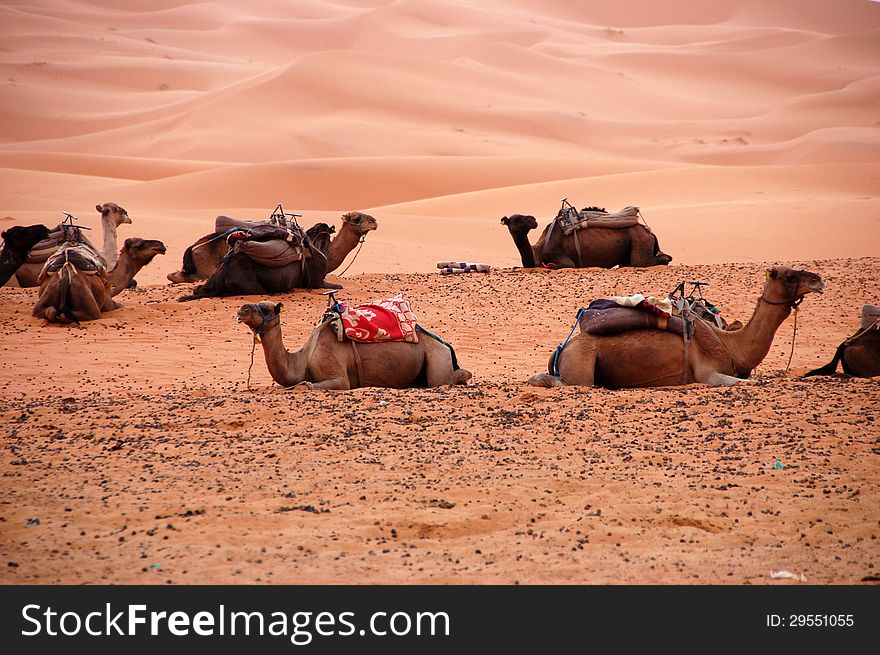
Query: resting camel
<point x="326" y="363"/>
<point x="112" y="216"/>
<point x="17" y="243"/>
<point x="200" y="260"/>
<point x="647" y="358"/>
<point x="860" y="353"/>
<point x="75" y="286"/>
<point x="239" y="275"/>
<point x="599" y="247"/>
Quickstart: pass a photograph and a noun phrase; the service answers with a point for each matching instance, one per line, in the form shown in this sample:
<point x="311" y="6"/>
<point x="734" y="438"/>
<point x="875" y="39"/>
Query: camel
<point x="17" y="243"/>
<point x="112" y="216"/>
<point x="326" y="363"/>
<point x="239" y="275"/>
<point x="860" y="353"/>
<point x="200" y="260"/>
<point x="597" y="246"/>
<point x="75" y="286"/>
<point x="647" y="358"/>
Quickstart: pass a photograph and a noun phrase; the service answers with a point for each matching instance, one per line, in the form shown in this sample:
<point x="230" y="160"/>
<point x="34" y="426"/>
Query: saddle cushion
<point x="626" y="217"/>
<point x="384" y="320"/>
<point x="622" y="319"/>
<point x="272" y="253"/>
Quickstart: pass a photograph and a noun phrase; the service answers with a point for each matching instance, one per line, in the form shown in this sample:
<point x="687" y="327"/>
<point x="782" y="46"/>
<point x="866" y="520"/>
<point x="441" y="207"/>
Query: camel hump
<point x="870" y="316"/>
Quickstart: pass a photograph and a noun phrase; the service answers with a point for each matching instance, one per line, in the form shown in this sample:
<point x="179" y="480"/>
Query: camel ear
<point x="100" y="209"/>
<point x="278" y="308"/>
<point x="132" y="242"/>
<point x="505" y="220"/>
<point x="332" y="229"/>
<point x="772" y="273"/>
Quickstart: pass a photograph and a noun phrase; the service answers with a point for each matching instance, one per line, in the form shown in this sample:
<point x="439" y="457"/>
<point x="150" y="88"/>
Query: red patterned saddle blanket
<point x="391" y="319"/>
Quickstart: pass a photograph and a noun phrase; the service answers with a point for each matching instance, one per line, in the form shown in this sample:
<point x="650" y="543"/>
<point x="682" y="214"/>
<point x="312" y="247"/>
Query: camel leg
<point x="545" y="380"/>
<point x="561" y="261"/>
<point x="340" y="383"/>
<point x="48" y="300"/>
<point x="720" y="379"/>
<point x="438" y="364"/>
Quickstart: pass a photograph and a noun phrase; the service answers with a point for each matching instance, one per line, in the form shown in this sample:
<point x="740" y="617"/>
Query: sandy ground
<point x="746" y="130"/>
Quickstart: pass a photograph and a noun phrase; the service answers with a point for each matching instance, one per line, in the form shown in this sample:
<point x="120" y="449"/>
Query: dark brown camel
<point x="653" y="358"/>
<point x="326" y="363"/>
<point x="597" y="246"/>
<point x="75" y="286"/>
<point x="17" y="243"/>
<point x="860" y="354"/>
<point x="200" y="260"/>
<point x="239" y="275"/>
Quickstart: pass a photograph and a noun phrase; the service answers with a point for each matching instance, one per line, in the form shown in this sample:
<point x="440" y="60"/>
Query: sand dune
<point x="748" y="131"/>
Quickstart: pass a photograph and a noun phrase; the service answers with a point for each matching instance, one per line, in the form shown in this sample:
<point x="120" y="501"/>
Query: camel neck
<point x="121" y="274"/>
<point x="749" y="346"/>
<point x="526" y="252"/>
<point x="342" y="244"/>
<point x="108" y="250"/>
<point x="286" y="368"/>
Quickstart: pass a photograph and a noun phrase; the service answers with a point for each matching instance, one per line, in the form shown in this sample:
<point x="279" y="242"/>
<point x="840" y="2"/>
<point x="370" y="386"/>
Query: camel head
<point x="259" y="316"/>
<point x="119" y="215"/>
<point x="662" y="258"/>
<point x="24" y="237"/>
<point x="787" y="286"/>
<point x="519" y="224"/>
<point x="361" y="222"/>
<point x="142" y="251"/>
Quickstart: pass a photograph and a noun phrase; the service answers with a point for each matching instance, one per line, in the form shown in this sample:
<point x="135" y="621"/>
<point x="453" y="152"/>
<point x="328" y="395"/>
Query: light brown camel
<point x="112" y="216"/>
<point x="200" y="260"/>
<point x="647" y="358"/>
<point x="75" y="286"/>
<point x="325" y="363"/>
<point x="860" y="354"/>
<point x="599" y="247"/>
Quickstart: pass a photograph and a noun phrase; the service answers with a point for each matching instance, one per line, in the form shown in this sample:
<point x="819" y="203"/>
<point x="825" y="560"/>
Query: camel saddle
<point x="604" y="317"/>
<point x="391" y="319"/>
<point x="269" y="245"/>
<point x="870" y="316"/>
<point x="79" y="256"/>
<point x="626" y="217"/>
<point x="57" y="237"/>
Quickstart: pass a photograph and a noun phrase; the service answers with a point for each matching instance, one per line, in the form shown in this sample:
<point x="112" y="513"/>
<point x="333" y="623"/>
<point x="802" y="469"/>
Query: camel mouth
<point x="125" y="219"/>
<point x="243" y="313"/>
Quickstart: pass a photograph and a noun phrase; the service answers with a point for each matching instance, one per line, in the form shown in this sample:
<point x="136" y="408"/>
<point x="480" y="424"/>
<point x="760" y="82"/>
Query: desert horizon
<point x="748" y="134"/>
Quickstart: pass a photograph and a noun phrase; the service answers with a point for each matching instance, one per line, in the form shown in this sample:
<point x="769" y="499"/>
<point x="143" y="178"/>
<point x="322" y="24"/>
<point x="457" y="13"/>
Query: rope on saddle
<point x="793" y="337"/>
<point x="554" y="366"/>
<point x="455" y="365"/>
<point x="360" y="245"/>
<point x="216" y="237"/>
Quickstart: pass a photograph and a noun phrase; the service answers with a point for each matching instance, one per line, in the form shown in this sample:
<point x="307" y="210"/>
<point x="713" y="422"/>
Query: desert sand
<point x="747" y="131"/>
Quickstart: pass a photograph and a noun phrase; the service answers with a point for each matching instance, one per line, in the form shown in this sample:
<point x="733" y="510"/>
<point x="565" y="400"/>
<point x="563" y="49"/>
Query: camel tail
<point x="831" y="367"/>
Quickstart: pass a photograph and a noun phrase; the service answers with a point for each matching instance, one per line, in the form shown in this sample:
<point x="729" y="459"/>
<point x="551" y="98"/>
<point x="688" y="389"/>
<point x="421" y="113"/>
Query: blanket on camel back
<point x="80" y="256"/>
<point x="571" y="221"/>
<point x="269" y="245"/>
<point x="383" y="320"/>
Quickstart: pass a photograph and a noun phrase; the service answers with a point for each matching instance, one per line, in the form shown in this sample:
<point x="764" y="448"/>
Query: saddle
<point x="572" y="220"/>
<point x="609" y="316"/>
<point x="58" y="236"/>
<point x="82" y="258"/>
<point x="391" y="319"/>
<point x="269" y="245"/>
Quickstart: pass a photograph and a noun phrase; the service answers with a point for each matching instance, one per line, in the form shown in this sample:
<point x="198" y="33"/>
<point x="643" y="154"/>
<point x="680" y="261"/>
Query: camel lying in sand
<point x="17" y="243"/>
<point x="326" y="363"/>
<point x="601" y="247"/>
<point x="112" y="216"/>
<point x="860" y="353"/>
<point x="239" y="275"/>
<point x="200" y="260"/>
<point x="75" y="285"/>
<point x="646" y="358"/>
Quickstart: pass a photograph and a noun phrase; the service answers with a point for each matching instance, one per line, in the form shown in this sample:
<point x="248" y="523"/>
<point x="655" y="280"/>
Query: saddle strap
<point x="357" y="361"/>
<point x="577" y="247"/>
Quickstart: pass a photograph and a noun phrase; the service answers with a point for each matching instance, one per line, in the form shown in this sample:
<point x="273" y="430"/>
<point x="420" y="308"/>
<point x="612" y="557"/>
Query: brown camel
<point x="200" y="260"/>
<point x="326" y="363"/>
<point x="860" y="353"/>
<point x="75" y="286"/>
<point x="597" y="246"/>
<point x="646" y="358"/>
<point x="17" y="243"/>
<point x="239" y="275"/>
<point x="112" y="216"/>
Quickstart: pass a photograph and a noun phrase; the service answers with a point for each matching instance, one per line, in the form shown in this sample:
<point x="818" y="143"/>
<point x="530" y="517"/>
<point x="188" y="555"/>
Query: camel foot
<point x="51" y="314"/>
<point x="302" y="386"/>
<point x="461" y="376"/>
<point x="179" y="277"/>
<point x="330" y="285"/>
<point x="545" y="380"/>
<point x="720" y="379"/>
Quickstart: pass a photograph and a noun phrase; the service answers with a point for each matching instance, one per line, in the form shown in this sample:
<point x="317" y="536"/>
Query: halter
<point x="259" y="331"/>
<point x="794" y="302"/>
